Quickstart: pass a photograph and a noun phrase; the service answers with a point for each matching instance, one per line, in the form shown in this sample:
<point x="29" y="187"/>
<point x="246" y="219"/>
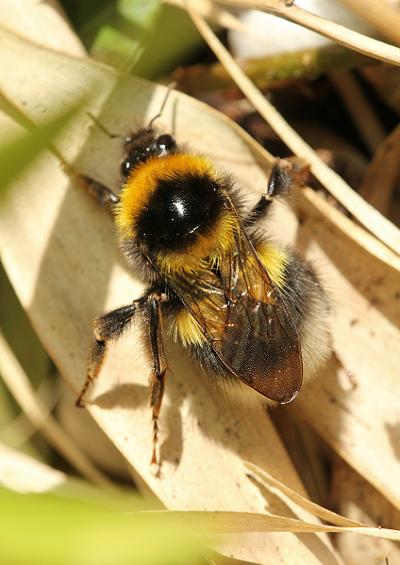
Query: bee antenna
<point x="103" y="128"/>
<point x="170" y="87"/>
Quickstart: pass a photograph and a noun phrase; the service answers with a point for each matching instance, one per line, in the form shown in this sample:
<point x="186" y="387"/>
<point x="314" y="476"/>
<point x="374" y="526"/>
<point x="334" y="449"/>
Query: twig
<point x="361" y="210"/>
<point x="223" y="18"/>
<point x="19" y="386"/>
<point x="273" y="70"/>
<point x="347" y="37"/>
<point x="380" y="15"/>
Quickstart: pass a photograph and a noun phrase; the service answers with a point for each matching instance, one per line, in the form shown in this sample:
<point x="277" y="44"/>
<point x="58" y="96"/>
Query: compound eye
<point x="165" y="142"/>
<point x="126" y="166"/>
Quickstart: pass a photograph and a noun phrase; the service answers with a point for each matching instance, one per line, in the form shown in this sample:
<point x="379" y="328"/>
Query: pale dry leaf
<point x="357" y="499"/>
<point x="41" y="21"/>
<point x="19" y="386"/>
<point x="354" y="403"/>
<point x="70" y="271"/>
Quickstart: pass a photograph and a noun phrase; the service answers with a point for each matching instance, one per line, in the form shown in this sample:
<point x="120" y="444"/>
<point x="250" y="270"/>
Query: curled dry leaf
<point x="59" y="251"/>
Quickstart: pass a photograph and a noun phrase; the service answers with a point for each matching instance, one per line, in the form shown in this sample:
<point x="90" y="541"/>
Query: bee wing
<point x="248" y="324"/>
<point x="260" y="346"/>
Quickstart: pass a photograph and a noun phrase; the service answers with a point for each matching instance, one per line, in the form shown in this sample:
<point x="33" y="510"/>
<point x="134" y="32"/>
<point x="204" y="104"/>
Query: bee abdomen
<point x="309" y="307"/>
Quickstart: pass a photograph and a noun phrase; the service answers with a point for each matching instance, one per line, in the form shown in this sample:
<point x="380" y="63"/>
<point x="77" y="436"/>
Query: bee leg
<point x="160" y="366"/>
<point x="107" y="327"/>
<point x="279" y="182"/>
<point x="104" y="196"/>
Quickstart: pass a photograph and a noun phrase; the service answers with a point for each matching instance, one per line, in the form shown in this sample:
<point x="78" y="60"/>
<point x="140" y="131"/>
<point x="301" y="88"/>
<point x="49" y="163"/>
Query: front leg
<point x="103" y="195"/>
<point x="107" y="327"/>
<point x="284" y="174"/>
<point x="279" y="182"/>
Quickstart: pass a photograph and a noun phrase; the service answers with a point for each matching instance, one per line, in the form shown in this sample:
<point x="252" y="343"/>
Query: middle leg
<point x="160" y="365"/>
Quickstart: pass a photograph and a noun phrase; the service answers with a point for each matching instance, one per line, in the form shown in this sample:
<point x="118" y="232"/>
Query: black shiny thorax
<point x="180" y="210"/>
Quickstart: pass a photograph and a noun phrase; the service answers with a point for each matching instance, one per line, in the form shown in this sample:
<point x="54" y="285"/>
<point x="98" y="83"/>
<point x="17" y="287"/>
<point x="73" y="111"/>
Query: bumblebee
<point x="249" y="310"/>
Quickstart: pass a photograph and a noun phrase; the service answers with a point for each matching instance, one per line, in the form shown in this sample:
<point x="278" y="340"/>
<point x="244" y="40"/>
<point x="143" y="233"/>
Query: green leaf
<point x="144" y="37"/>
<point x="48" y="528"/>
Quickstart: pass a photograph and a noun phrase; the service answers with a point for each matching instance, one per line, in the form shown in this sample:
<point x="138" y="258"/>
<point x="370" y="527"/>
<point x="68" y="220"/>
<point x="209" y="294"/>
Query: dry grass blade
<point x="20" y="430"/>
<point x="18" y="384"/>
<point x="381" y="15"/>
<point x="222" y="17"/>
<point x="361" y="210"/>
<point x="382" y="173"/>
<point x="351" y="39"/>
<point x="245" y="522"/>
<point x="305" y="503"/>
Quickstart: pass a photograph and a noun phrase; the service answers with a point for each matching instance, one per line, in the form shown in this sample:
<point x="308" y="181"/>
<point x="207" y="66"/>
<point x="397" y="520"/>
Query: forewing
<point x="260" y="346"/>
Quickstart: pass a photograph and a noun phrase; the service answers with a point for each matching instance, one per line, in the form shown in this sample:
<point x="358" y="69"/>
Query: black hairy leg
<point x="103" y="195"/>
<point x="285" y="174"/>
<point x="107" y="327"/>
<point x="160" y="366"/>
<point x="279" y="182"/>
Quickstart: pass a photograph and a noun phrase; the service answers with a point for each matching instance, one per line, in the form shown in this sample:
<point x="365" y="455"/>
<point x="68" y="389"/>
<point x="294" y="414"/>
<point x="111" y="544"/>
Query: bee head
<point x="143" y="145"/>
